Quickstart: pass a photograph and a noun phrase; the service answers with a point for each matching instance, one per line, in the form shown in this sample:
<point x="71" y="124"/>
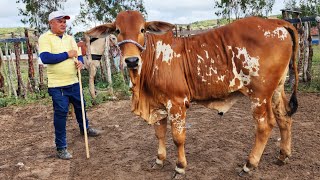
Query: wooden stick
<point x="83" y="116"/>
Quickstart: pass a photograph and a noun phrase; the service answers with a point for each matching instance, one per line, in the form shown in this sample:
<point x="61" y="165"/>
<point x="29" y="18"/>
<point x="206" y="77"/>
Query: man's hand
<point x="72" y="54"/>
<point x="78" y="64"/>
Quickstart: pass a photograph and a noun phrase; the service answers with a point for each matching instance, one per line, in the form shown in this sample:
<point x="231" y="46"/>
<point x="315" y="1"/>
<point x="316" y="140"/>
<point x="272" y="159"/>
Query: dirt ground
<point x="216" y="148"/>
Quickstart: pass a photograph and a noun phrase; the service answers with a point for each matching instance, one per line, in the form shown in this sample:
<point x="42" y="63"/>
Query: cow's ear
<point x="101" y="31"/>
<point x="158" y="27"/>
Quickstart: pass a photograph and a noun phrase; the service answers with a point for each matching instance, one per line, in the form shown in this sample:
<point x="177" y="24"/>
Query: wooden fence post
<point x="21" y="91"/>
<point x="309" y="70"/>
<point x="40" y="65"/>
<point x="107" y="61"/>
<point x="318" y="25"/>
<point x="2" y="85"/>
<point x="11" y="87"/>
<point x="30" y="62"/>
<point x="304" y="57"/>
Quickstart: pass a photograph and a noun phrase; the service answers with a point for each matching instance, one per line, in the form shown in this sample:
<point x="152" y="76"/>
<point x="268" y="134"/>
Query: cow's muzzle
<point x="132" y="62"/>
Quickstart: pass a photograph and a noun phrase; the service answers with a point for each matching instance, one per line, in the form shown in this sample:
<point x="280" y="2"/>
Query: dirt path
<point x="216" y="147"/>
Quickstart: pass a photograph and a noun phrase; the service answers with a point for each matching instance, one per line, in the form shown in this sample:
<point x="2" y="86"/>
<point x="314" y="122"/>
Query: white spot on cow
<point x="200" y="59"/>
<point x="156" y="68"/>
<point x="221" y="78"/>
<point x="212" y="61"/>
<point x="185" y="100"/>
<point x="199" y="70"/>
<point x="169" y="105"/>
<point x="267" y="34"/>
<point x="279" y="32"/>
<point x="207" y="55"/>
<point x="212" y="70"/>
<point x="178" y="123"/>
<point x="166" y="51"/>
<point x="139" y="67"/>
<point x="249" y="63"/>
<point x="203" y="79"/>
<point x="256" y="102"/>
<point x="261" y="120"/>
<point x="176" y="118"/>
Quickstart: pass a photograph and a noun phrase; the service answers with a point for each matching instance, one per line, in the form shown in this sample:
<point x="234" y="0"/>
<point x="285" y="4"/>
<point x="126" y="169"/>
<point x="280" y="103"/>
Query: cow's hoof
<point x="158" y="164"/>
<point x="243" y="173"/>
<point x="280" y="162"/>
<point x="177" y="175"/>
<point x="246" y="170"/>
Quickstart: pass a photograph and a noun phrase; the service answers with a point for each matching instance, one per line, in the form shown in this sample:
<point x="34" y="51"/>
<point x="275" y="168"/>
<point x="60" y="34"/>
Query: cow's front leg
<point x="161" y="129"/>
<point x="177" y="118"/>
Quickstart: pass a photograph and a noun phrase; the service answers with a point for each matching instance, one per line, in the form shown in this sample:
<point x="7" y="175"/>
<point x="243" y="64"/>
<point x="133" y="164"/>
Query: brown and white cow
<point x="248" y="57"/>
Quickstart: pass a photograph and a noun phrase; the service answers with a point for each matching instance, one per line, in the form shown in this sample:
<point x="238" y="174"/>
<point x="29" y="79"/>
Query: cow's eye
<point x="143" y="30"/>
<point x="117" y="31"/>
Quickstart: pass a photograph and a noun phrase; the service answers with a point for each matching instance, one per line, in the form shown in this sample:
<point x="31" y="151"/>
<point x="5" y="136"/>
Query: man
<point x="60" y="52"/>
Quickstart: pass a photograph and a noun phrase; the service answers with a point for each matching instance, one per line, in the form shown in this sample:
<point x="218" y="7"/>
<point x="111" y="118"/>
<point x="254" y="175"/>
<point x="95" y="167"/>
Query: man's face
<point x="58" y="26"/>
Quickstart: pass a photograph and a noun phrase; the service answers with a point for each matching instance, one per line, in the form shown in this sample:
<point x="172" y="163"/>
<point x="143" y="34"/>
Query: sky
<point x="173" y="11"/>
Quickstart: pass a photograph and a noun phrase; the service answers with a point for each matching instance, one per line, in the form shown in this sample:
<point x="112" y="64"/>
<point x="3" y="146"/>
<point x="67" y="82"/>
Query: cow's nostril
<point x="132" y="62"/>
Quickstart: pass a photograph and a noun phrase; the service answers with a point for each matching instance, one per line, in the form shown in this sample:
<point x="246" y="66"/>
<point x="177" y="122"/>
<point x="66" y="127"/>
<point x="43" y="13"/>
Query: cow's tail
<point x="293" y="103"/>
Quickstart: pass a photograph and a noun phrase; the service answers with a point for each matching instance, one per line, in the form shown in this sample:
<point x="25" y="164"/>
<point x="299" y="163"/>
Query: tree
<point x="291" y="4"/>
<point x="227" y="8"/>
<point x="240" y="8"/>
<point x="258" y="8"/>
<point x="310" y="7"/>
<point x="36" y="12"/>
<point x="102" y="11"/>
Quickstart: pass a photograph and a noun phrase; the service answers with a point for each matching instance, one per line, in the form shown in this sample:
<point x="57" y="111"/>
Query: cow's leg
<point x="177" y="116"/>
<point x="161" y="130"/>
<point x="262" y="114"/>
<point x="92" y="74"/>
<point x="279" y="102"/>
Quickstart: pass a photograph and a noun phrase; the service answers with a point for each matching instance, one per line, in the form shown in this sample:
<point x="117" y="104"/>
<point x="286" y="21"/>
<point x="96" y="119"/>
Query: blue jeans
<point x="61" y="97"/>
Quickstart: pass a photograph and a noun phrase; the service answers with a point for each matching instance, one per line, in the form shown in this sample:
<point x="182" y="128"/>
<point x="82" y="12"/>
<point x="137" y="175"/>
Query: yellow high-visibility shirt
<point x="65" y="72"/>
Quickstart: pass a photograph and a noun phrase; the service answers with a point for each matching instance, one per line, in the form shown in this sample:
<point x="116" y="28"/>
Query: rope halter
<point x="142" y="48"/>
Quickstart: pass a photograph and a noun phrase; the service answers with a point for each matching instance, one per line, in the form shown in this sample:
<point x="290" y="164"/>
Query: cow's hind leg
<point x="92" y="74"/>
<point x="279" y="103"/>
<point x="262" y="114"/>
<point x="161" y="130"/>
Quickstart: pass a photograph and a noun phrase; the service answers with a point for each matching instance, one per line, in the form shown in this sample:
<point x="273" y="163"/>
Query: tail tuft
<point x="293" y="104"/>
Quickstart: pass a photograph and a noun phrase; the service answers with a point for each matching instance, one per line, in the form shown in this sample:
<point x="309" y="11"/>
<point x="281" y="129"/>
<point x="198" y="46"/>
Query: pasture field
<point x="216" y="148"/>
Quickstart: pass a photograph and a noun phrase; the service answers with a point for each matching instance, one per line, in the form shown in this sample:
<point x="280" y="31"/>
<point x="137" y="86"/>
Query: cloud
<point x="180" y="11"/>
